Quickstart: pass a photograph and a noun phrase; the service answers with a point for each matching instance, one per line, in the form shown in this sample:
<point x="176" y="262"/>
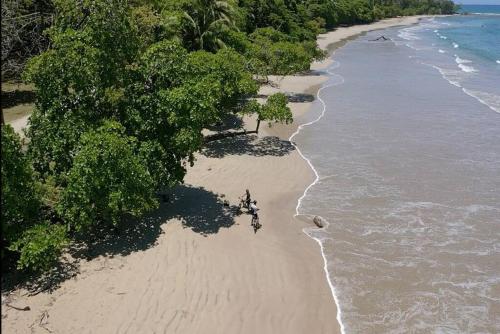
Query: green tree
<point x="275" y="110"/>
<point x="107" y="180"/>
<point x="20" y="195"/>
<point x="176" y="95"/>
<point x="230" y="70"/>
<point x="273" y="52"/>
<point x="80" y="80"/>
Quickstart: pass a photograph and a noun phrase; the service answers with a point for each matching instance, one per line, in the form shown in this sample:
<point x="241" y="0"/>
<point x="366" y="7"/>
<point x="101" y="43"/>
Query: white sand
<point x="207" y="272"/>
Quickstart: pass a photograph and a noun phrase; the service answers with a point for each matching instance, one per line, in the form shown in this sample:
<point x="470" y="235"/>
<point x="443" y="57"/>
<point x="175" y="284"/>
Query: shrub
<point x="40" y="246"/>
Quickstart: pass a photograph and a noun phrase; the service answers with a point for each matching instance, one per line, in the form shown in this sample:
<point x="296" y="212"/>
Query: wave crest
<point x="467" y="69"/>
<point x="488" y="99"/>
<point x="459" y="60"/>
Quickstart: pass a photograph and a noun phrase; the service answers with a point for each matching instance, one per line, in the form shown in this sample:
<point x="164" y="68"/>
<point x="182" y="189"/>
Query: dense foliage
<point x="106" y="180"/>
<point x="303" y="19"/>
<point x="38" y="244"/>
<point x="20" y="194"/>
<point x="126" y="89"/>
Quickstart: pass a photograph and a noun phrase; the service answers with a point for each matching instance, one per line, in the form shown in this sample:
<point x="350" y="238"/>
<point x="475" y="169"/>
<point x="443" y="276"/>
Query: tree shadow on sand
<point x="36" y="283"/>
<point x="198" y="209"/>
<point x="293" y="97"/>
<point x="248" y="145"/>
<point x="16" y="97"/>
<point x="230" y="121"/>
<point x="315" y="72"/>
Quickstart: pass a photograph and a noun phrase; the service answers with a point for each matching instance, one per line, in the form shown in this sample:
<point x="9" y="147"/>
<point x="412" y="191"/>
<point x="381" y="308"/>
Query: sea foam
<point x="467" y="69"/>
<point x="441" y="36"/>
<point x="488" y="99"/>
<point x="409" y="34"/>
<point x="459" y="60"/>
<point x="449" y="75"/>
<point x="490" y="14"/>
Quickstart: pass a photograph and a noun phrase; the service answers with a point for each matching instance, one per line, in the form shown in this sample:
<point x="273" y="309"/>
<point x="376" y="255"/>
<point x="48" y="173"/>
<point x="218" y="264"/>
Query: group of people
<point x="252" y="209"/>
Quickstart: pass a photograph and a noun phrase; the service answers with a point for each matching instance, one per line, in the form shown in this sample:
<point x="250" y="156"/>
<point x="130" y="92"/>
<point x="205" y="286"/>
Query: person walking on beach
<point x="245" y="201"/>
<point x="247" y="198"/>
<point x="255" y="217"/>
<point x="253" y="208"/>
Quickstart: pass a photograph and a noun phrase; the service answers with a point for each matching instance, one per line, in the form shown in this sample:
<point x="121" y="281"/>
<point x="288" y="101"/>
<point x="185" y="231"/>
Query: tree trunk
<point x="258" y="124"/>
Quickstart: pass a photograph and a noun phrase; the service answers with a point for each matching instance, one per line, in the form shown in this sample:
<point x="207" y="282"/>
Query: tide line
<point x="335" y="65"/>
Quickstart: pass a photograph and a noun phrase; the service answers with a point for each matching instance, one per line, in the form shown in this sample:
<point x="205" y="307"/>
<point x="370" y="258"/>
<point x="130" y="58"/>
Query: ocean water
<point x="405" y="142"/>
<point x="465" y="49"/>
<point x="480" y="9"/>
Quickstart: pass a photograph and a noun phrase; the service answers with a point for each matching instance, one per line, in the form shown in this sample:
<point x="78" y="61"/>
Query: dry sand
<point x="196" y="267"/>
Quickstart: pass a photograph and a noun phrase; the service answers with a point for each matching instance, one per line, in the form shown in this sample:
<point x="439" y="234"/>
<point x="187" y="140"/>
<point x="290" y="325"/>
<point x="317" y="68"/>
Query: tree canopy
<point x="106" y="180"/>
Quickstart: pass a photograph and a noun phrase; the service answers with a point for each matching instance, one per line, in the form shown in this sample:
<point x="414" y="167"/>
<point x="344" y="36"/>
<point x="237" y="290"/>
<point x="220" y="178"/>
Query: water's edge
<point x="316" y="179"/>
<point x="334" y="79"/>
<point x="331" y="48"/>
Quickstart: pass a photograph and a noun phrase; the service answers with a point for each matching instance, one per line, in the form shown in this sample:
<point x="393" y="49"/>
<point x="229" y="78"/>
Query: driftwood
<point x="26" y="308"/>
<point x="44" y="321"/>
<point x="380" y="38"/>
<point x="44" y="318"/>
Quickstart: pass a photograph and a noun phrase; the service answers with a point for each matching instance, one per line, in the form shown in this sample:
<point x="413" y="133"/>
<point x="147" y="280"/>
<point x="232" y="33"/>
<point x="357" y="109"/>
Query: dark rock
<point x="319" y="221"/>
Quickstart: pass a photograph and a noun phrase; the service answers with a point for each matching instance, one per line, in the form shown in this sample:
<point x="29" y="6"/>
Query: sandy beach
<point x="195" y="266"/>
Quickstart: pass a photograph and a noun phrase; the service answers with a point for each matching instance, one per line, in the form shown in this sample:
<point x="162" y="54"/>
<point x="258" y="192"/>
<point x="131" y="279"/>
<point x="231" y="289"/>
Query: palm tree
<point x="206" y="21"/>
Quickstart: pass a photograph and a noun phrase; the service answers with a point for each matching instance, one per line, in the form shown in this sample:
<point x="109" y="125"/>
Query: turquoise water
<point x="405" y="141"/>
<point x="478" y="35"/>
<point x="465" y="49"/>
<point x="480" y="9"/>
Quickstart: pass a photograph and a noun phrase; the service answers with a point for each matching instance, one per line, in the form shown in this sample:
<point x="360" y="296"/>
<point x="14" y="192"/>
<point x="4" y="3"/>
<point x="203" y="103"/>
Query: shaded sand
<point x="17" y="104"/>
<point x="195" y="266"/>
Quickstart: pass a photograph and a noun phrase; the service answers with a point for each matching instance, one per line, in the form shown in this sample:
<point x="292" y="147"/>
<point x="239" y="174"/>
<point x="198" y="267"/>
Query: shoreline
<point x="299" y="201"/>
<point x="331" y="42"/>
<point x="203" y="270"/>
<point x="346" y="272"/>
